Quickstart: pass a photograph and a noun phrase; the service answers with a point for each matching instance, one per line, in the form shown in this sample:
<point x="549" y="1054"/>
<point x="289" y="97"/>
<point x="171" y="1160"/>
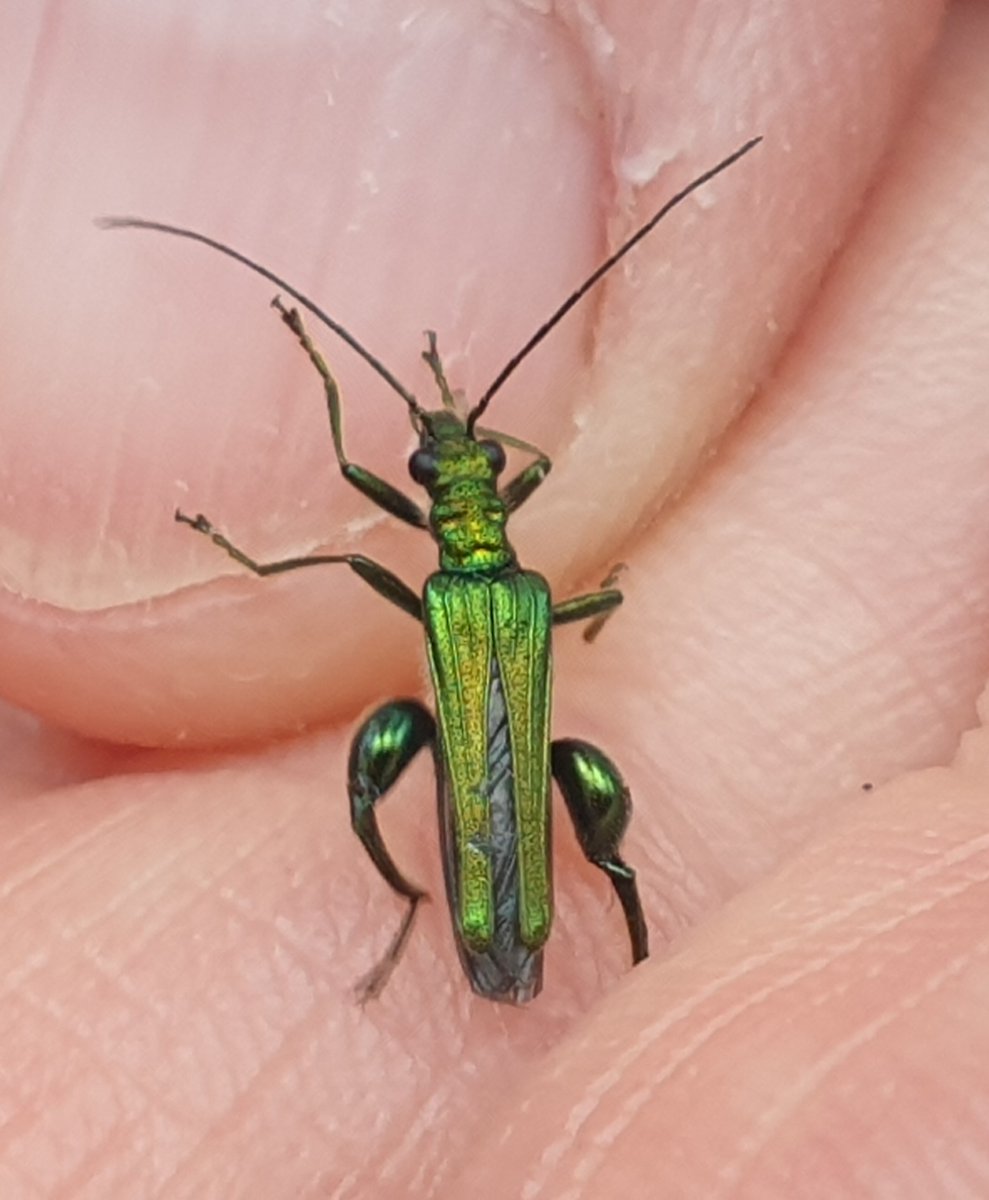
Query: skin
<point x="181" y="927"/>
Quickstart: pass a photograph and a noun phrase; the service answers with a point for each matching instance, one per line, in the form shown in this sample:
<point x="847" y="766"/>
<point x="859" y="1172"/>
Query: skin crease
<point x="181" y="929"/>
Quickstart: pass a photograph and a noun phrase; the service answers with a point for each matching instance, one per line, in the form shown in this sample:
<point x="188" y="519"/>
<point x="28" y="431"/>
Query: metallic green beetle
<point x="488" y="628"/>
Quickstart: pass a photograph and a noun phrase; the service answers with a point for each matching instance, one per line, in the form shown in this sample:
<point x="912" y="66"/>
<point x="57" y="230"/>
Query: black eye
<point x="494" y="452"/>
<point x="422" y="467"/>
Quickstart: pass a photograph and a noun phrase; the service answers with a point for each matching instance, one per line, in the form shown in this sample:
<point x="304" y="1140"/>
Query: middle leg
<point x="597" y="607"/>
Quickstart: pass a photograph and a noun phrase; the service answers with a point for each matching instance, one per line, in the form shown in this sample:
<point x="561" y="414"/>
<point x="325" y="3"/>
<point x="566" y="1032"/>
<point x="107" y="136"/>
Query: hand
<point x="182" y="932"/>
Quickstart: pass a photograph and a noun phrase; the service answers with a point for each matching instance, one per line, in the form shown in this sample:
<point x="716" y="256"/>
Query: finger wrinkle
<point x="205" y="883"/>
<point x="813" y="1073"/>
<point x="248" y="1114"/>
<point x="874" y="609"/>
<point x="15" y="881"/>
<point x="92" y="1066"/>
<point x="74" y="1102"/>
<point x="74" y="923"/>
<point x="595" y="1150"/>
<point x="596" y="1092"/>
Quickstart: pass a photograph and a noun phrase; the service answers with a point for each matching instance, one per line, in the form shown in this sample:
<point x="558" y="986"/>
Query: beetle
<point x="487" y="624"/>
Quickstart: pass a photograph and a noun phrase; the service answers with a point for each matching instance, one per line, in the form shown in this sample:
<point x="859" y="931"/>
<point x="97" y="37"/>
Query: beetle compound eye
<point x="494" y="452"/>
<point x="423" y="467"/>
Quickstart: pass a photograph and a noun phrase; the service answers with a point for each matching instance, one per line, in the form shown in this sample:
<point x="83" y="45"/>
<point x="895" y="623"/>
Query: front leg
<point x="521" y="486"/>
<point x="600" y="806"/>
<point x="384" y="582"/>
<point x="378" y="490"/>
<point x="381" y="750"/>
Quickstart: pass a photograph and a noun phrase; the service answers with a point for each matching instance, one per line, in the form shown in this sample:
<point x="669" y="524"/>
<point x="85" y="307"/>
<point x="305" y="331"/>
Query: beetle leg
<point x="384" y="582"/>
<point x="599" y="805"/>
<point x="432" y="359"/>
<point x="378" y="490"/>
<point x="518" y="490"/>
<point x="381" y="750"/>
<point x="600" y="605"/>
<point x="521" y="486"/>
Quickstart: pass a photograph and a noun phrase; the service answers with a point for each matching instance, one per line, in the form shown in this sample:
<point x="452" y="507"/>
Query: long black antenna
<point x="338" y="329"/>
<point x="592" y="279"/>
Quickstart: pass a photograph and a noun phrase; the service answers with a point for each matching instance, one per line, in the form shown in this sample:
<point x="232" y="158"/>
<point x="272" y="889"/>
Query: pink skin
<point x="181" y="929"/>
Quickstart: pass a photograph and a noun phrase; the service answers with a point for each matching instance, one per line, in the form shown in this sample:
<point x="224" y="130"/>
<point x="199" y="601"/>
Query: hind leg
<point x="599" y="805"/>
<point x="381" y="750"/>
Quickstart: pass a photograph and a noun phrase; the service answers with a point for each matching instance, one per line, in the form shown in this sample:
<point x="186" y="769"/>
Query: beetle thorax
<point x="467" y="516"/>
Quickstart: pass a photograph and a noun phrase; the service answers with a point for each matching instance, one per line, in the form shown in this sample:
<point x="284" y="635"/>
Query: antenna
<point x="597" y="275"/>
<point x="338" y="329"/>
